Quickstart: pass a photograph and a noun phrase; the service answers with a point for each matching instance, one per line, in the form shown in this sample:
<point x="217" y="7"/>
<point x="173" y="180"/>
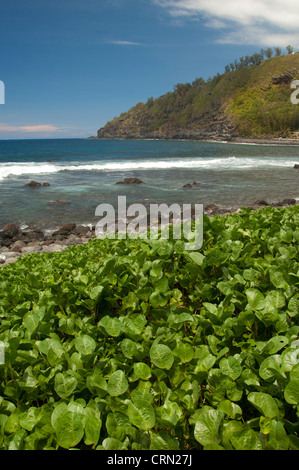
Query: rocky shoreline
<point x="266" y="141"/>
<point x="223" y="138"/>
<point x="16" y="242"/>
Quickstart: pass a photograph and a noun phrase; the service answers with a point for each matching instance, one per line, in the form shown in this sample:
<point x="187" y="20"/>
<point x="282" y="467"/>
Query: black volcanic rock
<point x="211" y="207"/>
<point x="33" y="184"/>
<point x="284" y="78"/>
<point x="65" y="229"/>
<point x="9" y="234"/>
<point x="289" y="202"/>
<point x="261" y="202"/>
<point x="191" y="185"/>
<point x="58" y="201"/>
<point x="10" y="231"/>
<point x="81" y="230"/>
<point x="130" y="181"/>
<point x="36" y="184"/>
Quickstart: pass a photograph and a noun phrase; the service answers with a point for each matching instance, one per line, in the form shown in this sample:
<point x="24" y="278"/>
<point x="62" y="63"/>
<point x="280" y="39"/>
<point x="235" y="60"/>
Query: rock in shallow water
<point x="130" y="181"/>
<point x="191" y="185"/>
<point x="33" y="184"/>
<point x="58" y="201"/>
<point x="36" y="184"/>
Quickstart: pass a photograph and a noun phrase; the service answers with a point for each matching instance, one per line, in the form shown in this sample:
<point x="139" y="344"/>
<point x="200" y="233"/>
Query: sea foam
<point x="11" y="170"/>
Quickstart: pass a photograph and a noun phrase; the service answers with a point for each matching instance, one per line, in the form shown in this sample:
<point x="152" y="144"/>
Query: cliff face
<point x="208" y="127"/>
<point x="251" y="102"/>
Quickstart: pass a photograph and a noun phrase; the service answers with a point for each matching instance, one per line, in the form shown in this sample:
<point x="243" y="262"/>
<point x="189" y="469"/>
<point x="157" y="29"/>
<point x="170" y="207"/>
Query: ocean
<point x="82" y="173"/>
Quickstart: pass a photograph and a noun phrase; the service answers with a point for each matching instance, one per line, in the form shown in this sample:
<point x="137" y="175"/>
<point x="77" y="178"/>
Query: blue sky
<point x="69" y="66"/>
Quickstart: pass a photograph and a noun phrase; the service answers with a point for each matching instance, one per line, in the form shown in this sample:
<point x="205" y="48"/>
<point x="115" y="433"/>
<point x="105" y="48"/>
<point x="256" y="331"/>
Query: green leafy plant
<point x="138" y="344"/>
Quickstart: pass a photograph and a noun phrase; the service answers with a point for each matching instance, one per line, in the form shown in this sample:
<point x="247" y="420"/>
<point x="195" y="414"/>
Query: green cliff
<point x="252" y="102"/>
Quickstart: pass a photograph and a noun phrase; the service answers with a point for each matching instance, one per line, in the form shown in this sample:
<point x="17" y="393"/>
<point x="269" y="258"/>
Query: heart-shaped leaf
<point x="161" y="356"/>
<point x="65" y="384"/>
<point x="117" y="384"/>
<point x="141" y="414"/>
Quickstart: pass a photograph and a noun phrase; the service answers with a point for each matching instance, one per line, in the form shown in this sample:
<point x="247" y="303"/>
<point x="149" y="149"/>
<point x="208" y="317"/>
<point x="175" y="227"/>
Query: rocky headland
<point x="252" y="102"/>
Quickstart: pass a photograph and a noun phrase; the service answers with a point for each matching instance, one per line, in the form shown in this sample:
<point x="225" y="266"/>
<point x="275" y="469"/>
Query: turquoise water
<point x="83" y="173"/>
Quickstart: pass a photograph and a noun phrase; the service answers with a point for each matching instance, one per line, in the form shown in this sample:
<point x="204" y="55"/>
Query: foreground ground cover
<point x="138" y="344"/>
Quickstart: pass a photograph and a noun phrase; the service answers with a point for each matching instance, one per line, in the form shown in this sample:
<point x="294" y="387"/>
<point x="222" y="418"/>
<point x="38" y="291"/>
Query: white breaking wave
<point x="31" y="168"/>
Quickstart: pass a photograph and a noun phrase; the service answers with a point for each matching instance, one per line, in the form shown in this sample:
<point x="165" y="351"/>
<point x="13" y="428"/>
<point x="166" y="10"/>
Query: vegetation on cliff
<point x="245" y="101"/>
